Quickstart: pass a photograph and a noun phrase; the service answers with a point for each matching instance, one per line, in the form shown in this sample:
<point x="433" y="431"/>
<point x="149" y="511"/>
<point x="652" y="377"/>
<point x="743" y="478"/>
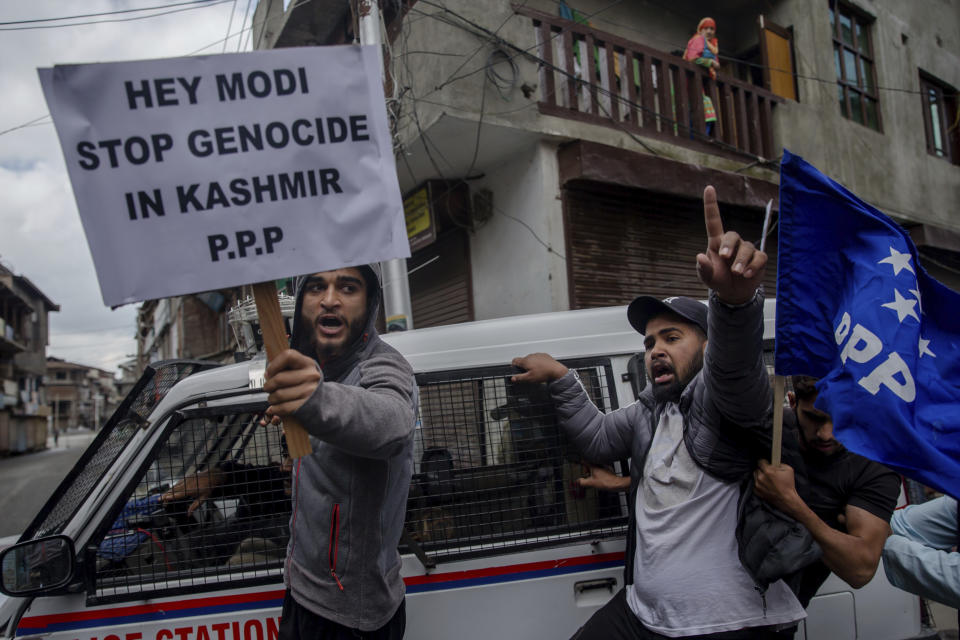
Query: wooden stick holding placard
<point x="274" y="341"/>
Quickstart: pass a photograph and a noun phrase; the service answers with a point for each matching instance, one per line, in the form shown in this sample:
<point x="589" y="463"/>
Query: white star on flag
<point x="902" y="306"/>
<point x="916" y="294"/>
<point x="924" y="350"/>
<point x="898" y="261"/>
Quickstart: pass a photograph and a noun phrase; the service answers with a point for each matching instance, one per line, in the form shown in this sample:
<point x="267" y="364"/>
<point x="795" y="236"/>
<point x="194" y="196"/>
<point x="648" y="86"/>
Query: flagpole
<point x="779" y="384"/>
<point x="766" y="224"/>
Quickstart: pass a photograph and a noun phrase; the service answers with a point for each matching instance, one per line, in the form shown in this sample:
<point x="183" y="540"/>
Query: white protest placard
<point x="200" y="173"/>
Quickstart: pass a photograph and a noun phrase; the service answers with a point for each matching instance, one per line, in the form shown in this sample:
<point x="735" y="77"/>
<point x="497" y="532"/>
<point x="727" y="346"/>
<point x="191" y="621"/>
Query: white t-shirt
<point x="687" y="577"/>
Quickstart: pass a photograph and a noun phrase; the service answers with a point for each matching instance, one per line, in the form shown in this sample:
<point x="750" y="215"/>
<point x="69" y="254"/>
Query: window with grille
<point x="854" y="64"/>
<point x="941" y="118"/>
<point x="493" y="469"/>
<point x="492" y="472"/>
<point x="99" y="457"/>
<point x="211" y="507"/>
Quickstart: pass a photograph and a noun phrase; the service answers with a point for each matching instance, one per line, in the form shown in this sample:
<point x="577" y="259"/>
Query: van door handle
<point x="591" y="585"/>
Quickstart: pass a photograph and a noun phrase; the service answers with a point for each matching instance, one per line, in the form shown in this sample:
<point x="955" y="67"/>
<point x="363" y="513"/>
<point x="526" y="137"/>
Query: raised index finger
<point x="711" y="217"/>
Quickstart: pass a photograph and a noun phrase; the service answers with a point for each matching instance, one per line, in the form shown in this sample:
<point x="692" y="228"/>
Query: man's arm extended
<point x="918" y="557"/>
<point x="734" y="373"/>
<point x="598" y="436"/>
<point x="604" y="479"/>
<point x="854" y="555"/>
<point x="373" y="419"/>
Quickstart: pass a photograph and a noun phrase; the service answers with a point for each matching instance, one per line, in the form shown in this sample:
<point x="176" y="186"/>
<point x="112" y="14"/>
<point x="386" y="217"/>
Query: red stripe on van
<point x="514" y="568"/>
<point x="178" y="605"/>
<point x="107" y="613"/>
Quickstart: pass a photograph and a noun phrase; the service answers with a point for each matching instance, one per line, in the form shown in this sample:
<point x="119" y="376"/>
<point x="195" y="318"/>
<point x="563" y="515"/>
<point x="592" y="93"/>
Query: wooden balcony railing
<point x="597" y="77"/>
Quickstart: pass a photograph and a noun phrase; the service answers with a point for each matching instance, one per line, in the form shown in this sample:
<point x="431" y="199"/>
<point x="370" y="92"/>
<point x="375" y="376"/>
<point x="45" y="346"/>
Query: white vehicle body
<point x="541" y="579"/>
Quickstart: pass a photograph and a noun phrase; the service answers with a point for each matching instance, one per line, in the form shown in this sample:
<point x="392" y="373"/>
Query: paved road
<point x="29" y="479"/>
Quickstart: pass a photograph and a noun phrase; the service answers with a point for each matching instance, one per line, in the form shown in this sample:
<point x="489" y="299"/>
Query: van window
<point x="114" y="436"/>
<point x="493" y="470"/>
<point x="211" y="506"/>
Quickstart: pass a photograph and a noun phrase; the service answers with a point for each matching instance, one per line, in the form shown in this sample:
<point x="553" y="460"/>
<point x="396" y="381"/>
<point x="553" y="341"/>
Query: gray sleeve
<point x="917" y="568"/>
<point x="932" y="523"/>
<point x="374" y="419"/>
<point x="735" y="378"/>
<point x="601" y="438"/>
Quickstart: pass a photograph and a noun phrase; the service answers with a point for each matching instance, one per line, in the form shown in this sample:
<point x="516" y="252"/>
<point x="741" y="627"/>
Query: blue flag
<point x="856" y="309"/>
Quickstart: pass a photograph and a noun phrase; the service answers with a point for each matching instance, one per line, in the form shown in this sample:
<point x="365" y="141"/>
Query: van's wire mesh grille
<point x="493" y="470"/>
<point x="215" y="500"/>
<point x="153" y="385"/>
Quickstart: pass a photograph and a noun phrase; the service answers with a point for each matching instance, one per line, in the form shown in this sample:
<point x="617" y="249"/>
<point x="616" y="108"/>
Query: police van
<point x="500" y="539"/>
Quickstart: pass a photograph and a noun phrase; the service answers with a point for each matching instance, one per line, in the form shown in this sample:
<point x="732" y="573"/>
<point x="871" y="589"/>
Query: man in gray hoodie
<point x="357" y="398"/>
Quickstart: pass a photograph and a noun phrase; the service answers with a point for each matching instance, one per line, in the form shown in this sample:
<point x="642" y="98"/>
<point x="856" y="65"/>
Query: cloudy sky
<point x="40" y="233"/>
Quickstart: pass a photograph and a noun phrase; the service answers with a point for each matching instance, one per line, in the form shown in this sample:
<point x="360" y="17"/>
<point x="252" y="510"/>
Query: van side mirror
<point x="638" y="375"/>
<point x="37" y="567"/>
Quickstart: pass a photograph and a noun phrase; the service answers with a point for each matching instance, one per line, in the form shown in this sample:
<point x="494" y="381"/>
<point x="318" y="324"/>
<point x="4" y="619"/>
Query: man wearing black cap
<point x="686" y="435"/>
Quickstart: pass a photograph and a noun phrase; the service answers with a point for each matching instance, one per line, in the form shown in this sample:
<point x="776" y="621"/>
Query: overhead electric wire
<point x="233" y="10"/>
<point x="243" y="25"/>
<point x="103" y="13"/>
<point x="206" y="2"/>
<point x="30" y="123"/>
<point x="203" y="5"/>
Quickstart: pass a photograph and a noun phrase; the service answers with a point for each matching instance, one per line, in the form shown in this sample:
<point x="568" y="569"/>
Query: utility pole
<point x="396" y="287"/>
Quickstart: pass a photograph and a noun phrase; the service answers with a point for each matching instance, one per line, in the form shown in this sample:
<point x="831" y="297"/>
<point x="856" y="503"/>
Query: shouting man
<point x="685" y="436"/>
<point x="357" y="398"/>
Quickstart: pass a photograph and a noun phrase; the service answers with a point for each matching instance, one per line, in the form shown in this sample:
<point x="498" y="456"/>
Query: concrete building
<point x="556" y="151"/>
<point x="193" y="327"/>
<point x="24" y="331"/>
<point x="78" y="395"/>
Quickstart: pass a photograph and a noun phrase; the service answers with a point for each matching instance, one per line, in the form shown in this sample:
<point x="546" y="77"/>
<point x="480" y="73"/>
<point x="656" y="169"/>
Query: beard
<point x="813" y="455"/>
<point x="327" y="350"/>
<point x="671" y="391"/>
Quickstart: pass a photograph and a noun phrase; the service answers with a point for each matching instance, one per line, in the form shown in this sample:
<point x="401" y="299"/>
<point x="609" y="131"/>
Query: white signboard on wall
<point x="194" y="174"/>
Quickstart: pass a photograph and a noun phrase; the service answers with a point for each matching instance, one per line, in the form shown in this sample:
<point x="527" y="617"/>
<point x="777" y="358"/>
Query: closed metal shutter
<point x="441" y="291"/>
<point x="624" y="242"/>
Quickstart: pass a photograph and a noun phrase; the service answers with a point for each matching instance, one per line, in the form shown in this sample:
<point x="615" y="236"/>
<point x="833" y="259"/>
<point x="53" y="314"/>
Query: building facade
<point x="78" y="395"/>
<point x="24" y="331"/>
<point x="559" y="149"/>
<point x="194" y="327"/>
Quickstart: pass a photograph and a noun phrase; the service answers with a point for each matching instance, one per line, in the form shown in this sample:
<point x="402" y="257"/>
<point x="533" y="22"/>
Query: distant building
<point x="78" y="395"/>
<point x="129" y="374"/>
<point x="193" y="327"/>
<point x="24" y="331"/>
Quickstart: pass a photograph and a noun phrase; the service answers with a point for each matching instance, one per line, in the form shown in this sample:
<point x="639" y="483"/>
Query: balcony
<point x="596" y="77"/>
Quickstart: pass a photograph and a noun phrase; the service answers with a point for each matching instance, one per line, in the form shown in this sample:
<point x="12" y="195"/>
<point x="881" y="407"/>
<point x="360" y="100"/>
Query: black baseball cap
<point x="645" y="307"/>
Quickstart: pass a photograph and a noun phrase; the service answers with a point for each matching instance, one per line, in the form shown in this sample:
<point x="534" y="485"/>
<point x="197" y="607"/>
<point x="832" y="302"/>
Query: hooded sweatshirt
<point x="350" y="495"/>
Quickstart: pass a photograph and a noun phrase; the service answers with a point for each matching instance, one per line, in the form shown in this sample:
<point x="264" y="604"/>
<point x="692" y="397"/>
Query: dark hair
<point x="804" y="386"/>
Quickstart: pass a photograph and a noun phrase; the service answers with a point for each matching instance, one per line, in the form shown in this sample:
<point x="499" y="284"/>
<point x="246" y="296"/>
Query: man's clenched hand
<point x="776" y="485"/>
<point x="291" y="379"/>
<point x="538" y="367"/>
